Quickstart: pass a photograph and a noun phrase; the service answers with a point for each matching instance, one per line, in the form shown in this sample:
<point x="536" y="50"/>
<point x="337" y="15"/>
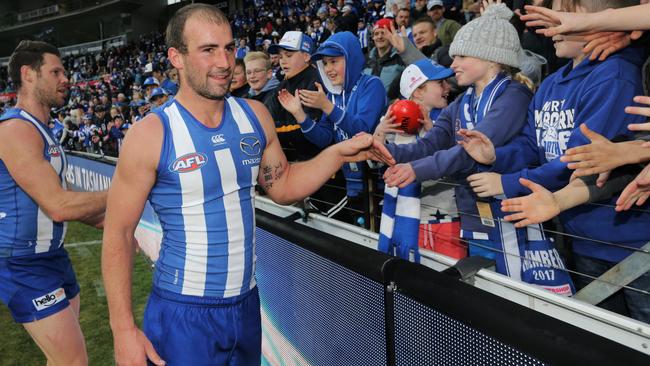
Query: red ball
<point x="408" y="114"/>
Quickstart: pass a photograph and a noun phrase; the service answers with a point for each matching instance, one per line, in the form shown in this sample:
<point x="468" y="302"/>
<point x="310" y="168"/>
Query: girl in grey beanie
<point x="485" y="47"/>
<point x="485" y="51"/>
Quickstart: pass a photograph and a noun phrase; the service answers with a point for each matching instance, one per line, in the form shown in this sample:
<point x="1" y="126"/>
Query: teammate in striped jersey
<point x="197" y="159"/>
<point x="37" y="281"/>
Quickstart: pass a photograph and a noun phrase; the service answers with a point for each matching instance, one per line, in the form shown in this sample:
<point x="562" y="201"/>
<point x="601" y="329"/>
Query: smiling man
<point x="37" y="281"/>
<point x="197" y="159"/>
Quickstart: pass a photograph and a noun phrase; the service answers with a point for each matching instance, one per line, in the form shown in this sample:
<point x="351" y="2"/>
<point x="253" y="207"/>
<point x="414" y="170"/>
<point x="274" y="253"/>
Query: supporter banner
<point x="92" y="175"/>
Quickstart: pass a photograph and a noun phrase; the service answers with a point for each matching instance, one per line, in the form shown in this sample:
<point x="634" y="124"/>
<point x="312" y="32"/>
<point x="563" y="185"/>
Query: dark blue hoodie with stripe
<point x="595" y="93"/>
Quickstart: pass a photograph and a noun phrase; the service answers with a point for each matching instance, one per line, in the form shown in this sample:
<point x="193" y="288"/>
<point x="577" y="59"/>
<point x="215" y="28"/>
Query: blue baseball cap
<point x="419" y="73"/>
<point x="293" y="41"/>
<point x="151" y="81"/>
<point x="156" y="92"/>
<point x="327" y="49"/>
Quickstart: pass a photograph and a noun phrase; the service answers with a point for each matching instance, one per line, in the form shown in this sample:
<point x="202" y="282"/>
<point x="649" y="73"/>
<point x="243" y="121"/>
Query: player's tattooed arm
<point x="271" y="172"/>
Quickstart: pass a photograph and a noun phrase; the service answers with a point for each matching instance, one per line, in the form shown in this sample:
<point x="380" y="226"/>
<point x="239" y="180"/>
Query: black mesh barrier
<point x="330" y="314"/>
<point x="337" y="303"/>
<point x="426" y="337"/>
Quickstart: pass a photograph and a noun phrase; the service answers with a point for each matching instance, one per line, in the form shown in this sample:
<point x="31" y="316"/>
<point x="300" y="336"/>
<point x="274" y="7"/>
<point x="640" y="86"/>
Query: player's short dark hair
<point x="174" y="35"/>
<point x="29" y="53"/>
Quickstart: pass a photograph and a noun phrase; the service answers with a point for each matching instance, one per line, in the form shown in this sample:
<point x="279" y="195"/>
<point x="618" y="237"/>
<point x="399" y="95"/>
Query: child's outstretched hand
<point x="399" y="175"/>
<point x="535" y="208"/>
<point x="292" y="104"/>
<point x="641" y="111"/>
<point x="386" y="125"/>
<point x="478" y="146"/>
<point x="316" y="99"/>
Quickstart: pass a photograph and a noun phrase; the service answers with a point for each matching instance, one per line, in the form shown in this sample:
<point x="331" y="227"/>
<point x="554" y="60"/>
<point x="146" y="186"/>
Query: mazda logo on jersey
<point x="188" y="163"/>
<point x="250" y="146"/>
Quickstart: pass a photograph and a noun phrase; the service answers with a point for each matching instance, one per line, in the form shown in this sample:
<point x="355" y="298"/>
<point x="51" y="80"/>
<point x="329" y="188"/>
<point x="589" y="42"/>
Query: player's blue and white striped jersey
<point x="203" y="196"/>
<point x="24" y="228"/>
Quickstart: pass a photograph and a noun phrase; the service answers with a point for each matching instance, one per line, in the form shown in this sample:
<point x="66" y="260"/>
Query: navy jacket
<point x="438" y="155"/>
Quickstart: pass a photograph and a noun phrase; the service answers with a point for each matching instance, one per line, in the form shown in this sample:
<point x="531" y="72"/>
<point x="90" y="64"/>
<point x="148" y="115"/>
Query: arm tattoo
<point x="270" y="173"/>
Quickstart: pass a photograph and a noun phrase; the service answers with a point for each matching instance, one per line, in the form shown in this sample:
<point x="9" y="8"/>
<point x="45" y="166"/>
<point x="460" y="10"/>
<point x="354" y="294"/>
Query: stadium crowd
<point x="461" y="167"/>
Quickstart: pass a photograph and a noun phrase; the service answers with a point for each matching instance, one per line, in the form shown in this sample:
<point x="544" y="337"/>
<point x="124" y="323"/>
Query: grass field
<point x="17" y="347"/>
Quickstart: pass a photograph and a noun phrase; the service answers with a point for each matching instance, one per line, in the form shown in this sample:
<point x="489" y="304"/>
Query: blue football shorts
<point x="193" y="330"/>
<point x="38" y="285"/>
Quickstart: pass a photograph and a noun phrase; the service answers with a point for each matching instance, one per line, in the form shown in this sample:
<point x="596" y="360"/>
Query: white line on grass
<point x="83" y="243"/>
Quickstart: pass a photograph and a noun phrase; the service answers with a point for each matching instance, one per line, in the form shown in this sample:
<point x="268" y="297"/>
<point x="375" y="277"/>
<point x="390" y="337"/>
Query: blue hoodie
<point x="358" y="105"/>
<point x="438" y="154"/>
<point x="594" y="93"/>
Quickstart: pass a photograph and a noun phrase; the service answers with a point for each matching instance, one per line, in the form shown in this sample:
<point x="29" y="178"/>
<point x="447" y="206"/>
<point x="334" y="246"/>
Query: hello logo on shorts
<point x="188" y="163"/>
<point x="50" y="299"/>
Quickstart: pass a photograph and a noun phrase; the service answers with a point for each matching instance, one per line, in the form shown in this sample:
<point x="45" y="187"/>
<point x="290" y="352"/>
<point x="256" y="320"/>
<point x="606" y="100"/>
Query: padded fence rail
<point x="336" y="303"/>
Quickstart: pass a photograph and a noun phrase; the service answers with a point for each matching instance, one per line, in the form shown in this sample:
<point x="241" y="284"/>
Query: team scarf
<point x="400" y="217"/>
<point x="524" y="254"/>
<point x="475" y="107"/>
<point x="528" y="255"/>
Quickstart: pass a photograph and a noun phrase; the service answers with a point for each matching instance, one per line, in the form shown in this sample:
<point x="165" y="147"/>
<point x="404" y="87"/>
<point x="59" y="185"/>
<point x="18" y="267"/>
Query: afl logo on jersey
<point x="54" y="151"/>
<point x="250" y="146"/>
<point x="188" y="163"/>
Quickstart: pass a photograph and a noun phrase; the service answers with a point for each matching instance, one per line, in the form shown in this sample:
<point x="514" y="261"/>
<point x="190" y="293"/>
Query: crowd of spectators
<point x="113" y="87"/>
<point x="109" y="90"/>
<point x="277" y="64"/>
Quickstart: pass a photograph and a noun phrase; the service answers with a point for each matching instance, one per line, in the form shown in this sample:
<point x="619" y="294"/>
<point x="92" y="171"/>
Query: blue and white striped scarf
<point x="400" y="218"/>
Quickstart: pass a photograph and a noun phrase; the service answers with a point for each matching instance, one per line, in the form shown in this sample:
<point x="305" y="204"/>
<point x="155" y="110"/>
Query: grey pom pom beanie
<point x="490" y="37"/>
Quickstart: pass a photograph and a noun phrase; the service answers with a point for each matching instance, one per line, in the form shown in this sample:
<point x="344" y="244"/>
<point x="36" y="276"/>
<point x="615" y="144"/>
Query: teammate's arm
<point x="134" y="176"/>
<point x="286" y="183"/>
<point x="21" y="150"/>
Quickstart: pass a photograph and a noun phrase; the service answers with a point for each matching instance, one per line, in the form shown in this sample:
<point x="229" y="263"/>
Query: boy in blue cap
<point x="353" y="103"/>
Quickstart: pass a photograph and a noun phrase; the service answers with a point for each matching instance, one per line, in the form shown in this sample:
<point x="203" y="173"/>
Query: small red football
<point x="408" y="114"/>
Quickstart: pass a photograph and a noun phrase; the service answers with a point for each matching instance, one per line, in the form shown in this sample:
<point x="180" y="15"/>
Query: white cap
<point x="294" y="41"/>
<point x="419" y="73"/>
<point x="432" y="3"/>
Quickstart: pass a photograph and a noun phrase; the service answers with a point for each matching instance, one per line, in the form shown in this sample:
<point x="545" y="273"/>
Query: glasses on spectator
<point x="256" y="71"/>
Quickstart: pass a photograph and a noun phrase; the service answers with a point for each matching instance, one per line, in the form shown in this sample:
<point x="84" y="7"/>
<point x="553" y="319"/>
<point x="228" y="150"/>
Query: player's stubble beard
<point x="48" y="97"/>
<point x="201" y="85"/>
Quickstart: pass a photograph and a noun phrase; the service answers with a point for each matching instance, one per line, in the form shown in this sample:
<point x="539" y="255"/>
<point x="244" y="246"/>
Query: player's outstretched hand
<point x="636" y="192"/>
<point x="600" y="156"/>
<point x="400" y="175"/>
<point x="133" y="348"/>
<point x="364" y="146"/>
<point x="486" y="184"/>
<point x="478" y="146"/>
<point x="537" y="207"/>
